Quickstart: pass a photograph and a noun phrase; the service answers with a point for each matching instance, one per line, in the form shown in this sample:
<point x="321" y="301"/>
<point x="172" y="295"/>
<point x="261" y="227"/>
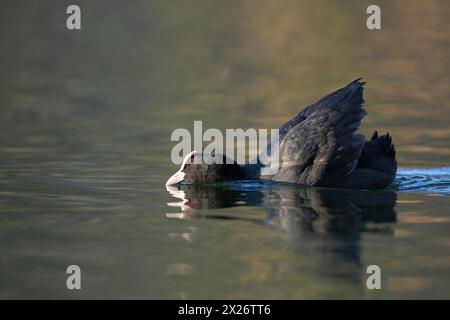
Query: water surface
<point x="85" y="149"/>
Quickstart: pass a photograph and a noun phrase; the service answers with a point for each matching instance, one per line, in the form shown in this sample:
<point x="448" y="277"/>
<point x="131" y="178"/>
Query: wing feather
<point x="319" y="146"/>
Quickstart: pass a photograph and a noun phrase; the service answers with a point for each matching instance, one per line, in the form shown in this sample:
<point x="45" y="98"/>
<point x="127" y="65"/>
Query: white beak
<point x="176" y="178"/>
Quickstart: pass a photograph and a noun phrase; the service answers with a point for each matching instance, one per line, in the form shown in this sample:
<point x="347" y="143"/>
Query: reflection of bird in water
<point x="211" y="197"/>
<point x="300" y="208"/>
<point x="324" y="225"/>
<point x="331" y="221"/>
<point x="318" y="147"/>
<point x="328" y="210"/>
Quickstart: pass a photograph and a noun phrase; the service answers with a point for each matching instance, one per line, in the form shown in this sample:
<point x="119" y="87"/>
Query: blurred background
<point x="139" y="70"/>
<point x="86" y="118"/>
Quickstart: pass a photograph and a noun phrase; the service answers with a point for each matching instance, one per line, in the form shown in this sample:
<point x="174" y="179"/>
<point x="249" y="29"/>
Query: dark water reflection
<point x="294" y="209"/>
<point x="327" y="237"/>
<point x="328" y="221"/>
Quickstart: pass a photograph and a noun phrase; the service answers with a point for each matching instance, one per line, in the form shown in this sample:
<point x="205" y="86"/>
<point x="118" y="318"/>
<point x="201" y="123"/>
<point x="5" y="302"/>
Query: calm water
<point x="85" y="149"/>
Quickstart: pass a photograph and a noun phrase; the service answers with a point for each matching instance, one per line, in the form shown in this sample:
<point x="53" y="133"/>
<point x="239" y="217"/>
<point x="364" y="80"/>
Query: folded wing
<point x="319" y="146"/>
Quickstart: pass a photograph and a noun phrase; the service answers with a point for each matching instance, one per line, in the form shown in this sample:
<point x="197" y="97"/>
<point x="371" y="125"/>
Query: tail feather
<point x="389" y="149"/>
<point x="374" y="136"/>
<point x="384" y="144"/>
<point x="379" y="154"/>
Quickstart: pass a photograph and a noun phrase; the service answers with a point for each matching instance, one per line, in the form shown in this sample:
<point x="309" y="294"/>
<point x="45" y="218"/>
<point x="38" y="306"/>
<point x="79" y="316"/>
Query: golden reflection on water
<point x="164" y="65"/>
<point x="85" y="144"/>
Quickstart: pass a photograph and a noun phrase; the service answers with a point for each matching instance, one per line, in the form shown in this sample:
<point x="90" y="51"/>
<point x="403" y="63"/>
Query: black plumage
<point x="320" y="147"/>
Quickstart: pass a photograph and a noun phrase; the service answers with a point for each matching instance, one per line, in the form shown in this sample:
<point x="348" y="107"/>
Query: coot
<point x="318" y="147"/>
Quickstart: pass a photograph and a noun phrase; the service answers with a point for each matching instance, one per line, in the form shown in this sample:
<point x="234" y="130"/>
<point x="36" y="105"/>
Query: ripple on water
<point x="432" y="180"/>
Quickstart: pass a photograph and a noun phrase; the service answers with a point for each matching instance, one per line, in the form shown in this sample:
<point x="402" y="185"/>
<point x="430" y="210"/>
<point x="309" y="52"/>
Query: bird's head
<point x="186" y="170"/>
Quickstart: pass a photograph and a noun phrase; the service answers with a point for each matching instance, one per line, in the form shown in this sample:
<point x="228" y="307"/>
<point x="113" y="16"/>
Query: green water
<point x="86" y="118"/>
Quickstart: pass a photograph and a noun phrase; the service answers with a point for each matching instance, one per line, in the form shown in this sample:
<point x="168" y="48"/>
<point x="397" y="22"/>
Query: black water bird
<point x="318" y="147"/>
